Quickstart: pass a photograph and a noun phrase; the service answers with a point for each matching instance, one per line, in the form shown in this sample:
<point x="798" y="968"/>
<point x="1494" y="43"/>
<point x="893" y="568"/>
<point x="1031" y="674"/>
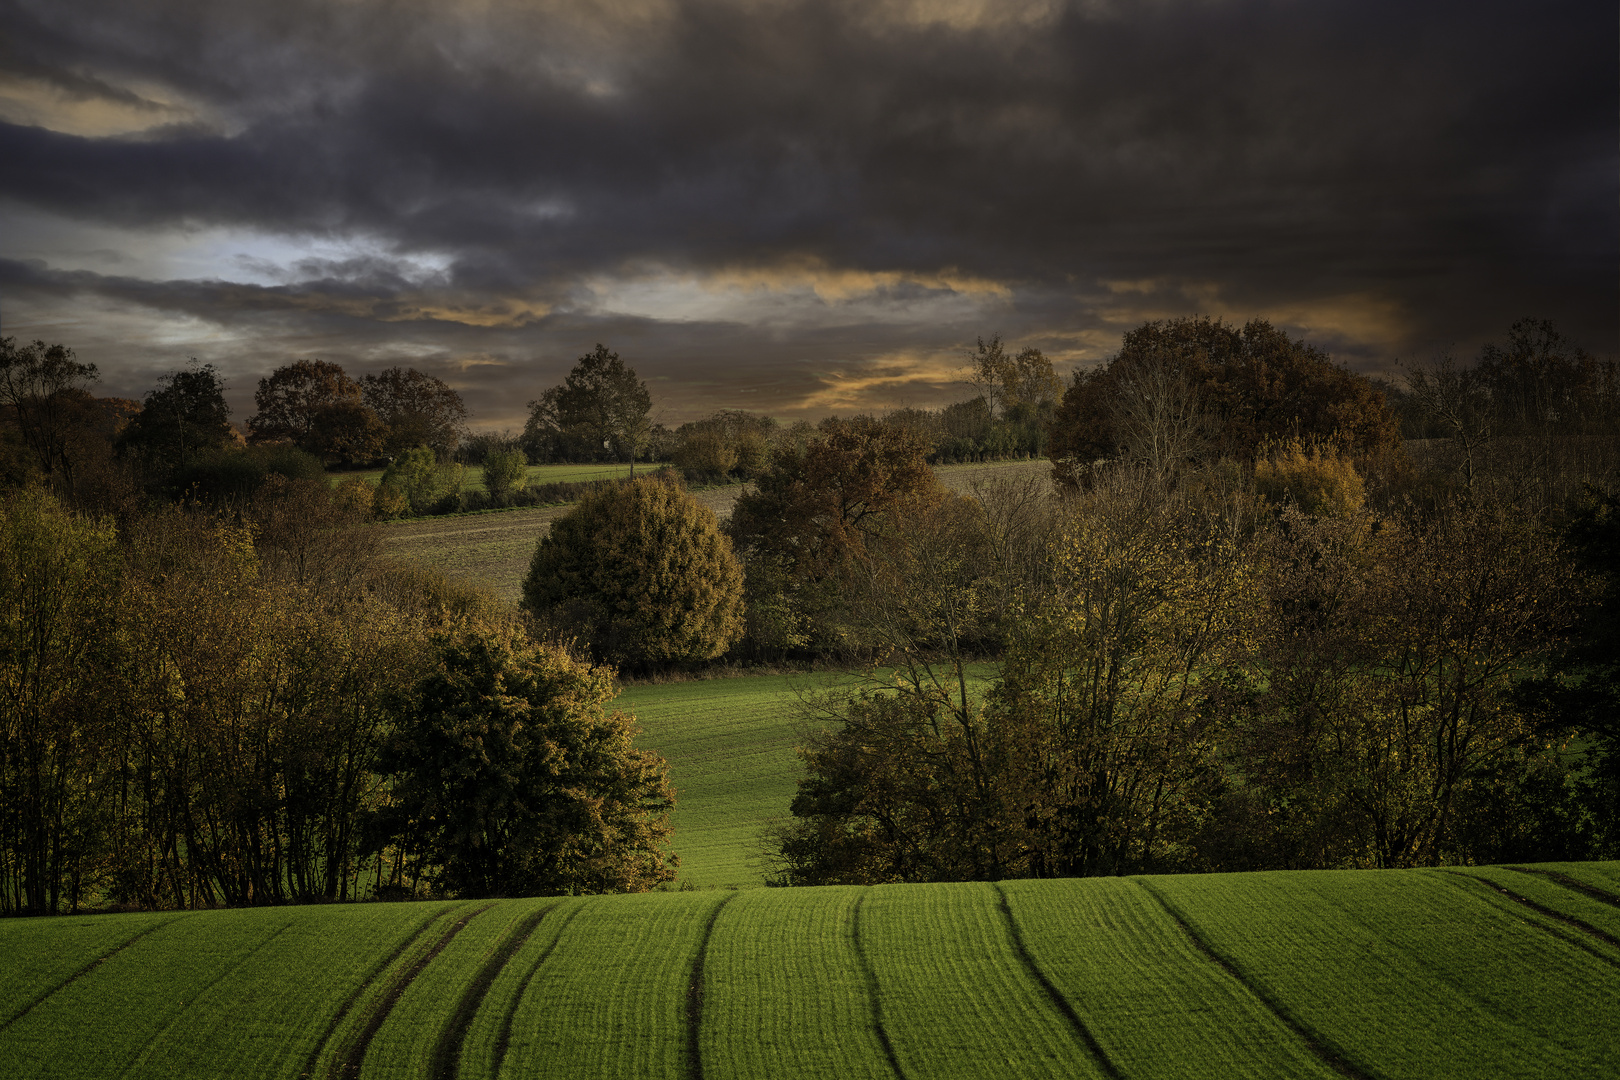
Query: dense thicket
<point x="1182" y="390"/>
<point x="1229" y="645"/>
<point x="194" y="709"/>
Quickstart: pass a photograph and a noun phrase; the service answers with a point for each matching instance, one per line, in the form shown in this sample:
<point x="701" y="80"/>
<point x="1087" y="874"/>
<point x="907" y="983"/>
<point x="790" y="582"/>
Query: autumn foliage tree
<point x="510" y="778"/>
<point x="817" y="508"/>
<point x="416" y="409"/>
<point x="1201" y="385"/>
<point x="319" y="409"/>
<point x="641" y="572"/>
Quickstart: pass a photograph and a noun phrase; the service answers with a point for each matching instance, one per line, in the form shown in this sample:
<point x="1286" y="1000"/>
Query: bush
<point x="232" y="475"/>
<point x="641" y="571"/>
<point x="510" y="778"/>
<point x="505" y="472"/>
<point x="1318" y="481"/>
<point x="427" y="486"/>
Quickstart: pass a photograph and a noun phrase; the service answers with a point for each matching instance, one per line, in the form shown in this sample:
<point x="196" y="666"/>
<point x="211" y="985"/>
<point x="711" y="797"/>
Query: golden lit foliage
<point x="1318" y="479"/>
<point x="642" y="573"/>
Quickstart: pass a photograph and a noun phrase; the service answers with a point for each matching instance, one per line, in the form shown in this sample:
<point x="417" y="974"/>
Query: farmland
<point x="1414" y="973"/>
<point x="493" y="548"/>
<point x="473" y="479"/>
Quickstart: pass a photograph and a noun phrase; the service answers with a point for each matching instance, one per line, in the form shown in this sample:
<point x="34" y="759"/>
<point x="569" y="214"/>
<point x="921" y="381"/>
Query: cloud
<point x="752" y="191"/>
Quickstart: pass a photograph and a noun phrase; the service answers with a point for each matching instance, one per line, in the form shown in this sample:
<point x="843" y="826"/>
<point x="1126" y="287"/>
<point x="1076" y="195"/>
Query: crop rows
<point x="1484" y="971"/>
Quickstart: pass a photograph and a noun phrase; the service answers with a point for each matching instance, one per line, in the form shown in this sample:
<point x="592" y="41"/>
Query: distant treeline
<point x="1265" y="613"/>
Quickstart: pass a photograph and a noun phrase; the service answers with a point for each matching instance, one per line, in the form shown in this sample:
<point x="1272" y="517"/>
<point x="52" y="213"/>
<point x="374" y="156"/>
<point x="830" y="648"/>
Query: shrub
<point x="505" y="472"/>
<point x="1317" y="480"/>
<point x="641" y="571"/>
<point x="427" y="486"/>
<point x="511" y="779"/>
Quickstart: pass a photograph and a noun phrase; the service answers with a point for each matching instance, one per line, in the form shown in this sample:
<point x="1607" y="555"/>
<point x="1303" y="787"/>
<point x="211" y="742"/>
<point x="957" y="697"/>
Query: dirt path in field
<point x="493" y="549"/>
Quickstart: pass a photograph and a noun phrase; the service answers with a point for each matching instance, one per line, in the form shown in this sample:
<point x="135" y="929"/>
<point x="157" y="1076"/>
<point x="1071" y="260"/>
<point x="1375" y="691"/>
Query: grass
<point x="733" y="763"/>
<point x="473" y="478"/>
<point x="38" y="966"/>
<point x="1410" y="974"/>
<point x="1124" y="964"/>
<point x="732" y="746"/>
<point x="956" y="997"/>
<point x="1544" y="893"/>
<point x="1384" y="974"/>
<point x="611" y="999"/>
<point x="785" y="990"/>
<point x="409" y="1037"/>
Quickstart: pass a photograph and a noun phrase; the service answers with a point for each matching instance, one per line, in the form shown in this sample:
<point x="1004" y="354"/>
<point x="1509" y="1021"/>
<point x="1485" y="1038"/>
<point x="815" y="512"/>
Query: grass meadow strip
<point x="104" y="1022"/>
<point x="957" y="1001"/>
<point x="611" y="999"/>
<point x="488" y="1035"/>
<point x="1595" y="918"/>
<point x="731" y="748"/>
<point x="1405" y="974"/>
<point x="1127" y="968"/>
<point x="37" y="965"/>
<point x="272" y="1013"/>
<point x="1600" y="880"/>
<point x="784" y="993"/>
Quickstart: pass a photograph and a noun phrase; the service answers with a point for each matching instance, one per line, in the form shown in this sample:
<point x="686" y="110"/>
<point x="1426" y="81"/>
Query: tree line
<point x="202" y="708"/>
<point x="1268" y="613"/>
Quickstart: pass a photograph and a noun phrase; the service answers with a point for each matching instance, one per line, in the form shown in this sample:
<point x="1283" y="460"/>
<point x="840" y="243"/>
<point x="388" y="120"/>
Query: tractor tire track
<point x="694" y="996"/>
<point x="1318" y="1044"/>
<point x="1591" y="891"/>
<point x="1054" y="994"/>
<point x="1548" y="913"/>
<point x="445" y="1062"/>
<point x="503" y="1041"/>
<point x="354" y="1054"/>
<point x="873" y="990"/>
<point x="365" y="984"/>
<point x="87" y="969"/>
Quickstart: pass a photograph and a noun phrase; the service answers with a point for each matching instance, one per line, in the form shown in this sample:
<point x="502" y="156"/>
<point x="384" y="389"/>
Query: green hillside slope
<point x="1392" y="974"/>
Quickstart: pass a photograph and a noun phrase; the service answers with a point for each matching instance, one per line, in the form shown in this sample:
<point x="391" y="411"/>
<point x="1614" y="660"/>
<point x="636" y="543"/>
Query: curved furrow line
<point x="360" y="988"/>
<point x="1591" y="891"/>
<point x="1052" y="992"/>
<point x="445" y="1062"/>
<point x="694" y="996"/>
<point x="1547" y="912"/>
<point x="504" y="1041"/>
<point x="87" y="969"/>
<point x="873" y="990"/>
<point x="136" y="1061"/>
<point x="355" y="1053"/>
<point x="1323" y="1048"/>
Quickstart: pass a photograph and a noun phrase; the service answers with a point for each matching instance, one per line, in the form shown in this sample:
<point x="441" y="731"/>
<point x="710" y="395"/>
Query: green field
<point x="492" y="549"/>
<point x="1390" y="974"/>
<point x="731" y="745"/>
<point x="537" y="474"/>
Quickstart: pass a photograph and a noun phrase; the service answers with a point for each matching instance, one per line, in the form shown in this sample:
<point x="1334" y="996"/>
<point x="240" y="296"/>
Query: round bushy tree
<point x="641" y="572"/>
<point x="511" y="778"/>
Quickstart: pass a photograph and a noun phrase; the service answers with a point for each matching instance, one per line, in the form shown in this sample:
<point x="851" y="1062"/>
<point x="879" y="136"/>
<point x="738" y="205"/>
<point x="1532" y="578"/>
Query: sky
<point x="797" y="207"/>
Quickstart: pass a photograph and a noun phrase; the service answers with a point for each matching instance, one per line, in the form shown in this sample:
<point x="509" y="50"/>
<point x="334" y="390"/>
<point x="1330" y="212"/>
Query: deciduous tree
<point x="641" y="572"/>
<point x="511" y="778"/>
<point x="416" y="409"/>
<point x="600" y="408"/>
<point x="318" y="408"/>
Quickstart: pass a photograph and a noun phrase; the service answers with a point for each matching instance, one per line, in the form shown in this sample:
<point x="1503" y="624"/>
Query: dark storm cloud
<point x="1457" y="158"/>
